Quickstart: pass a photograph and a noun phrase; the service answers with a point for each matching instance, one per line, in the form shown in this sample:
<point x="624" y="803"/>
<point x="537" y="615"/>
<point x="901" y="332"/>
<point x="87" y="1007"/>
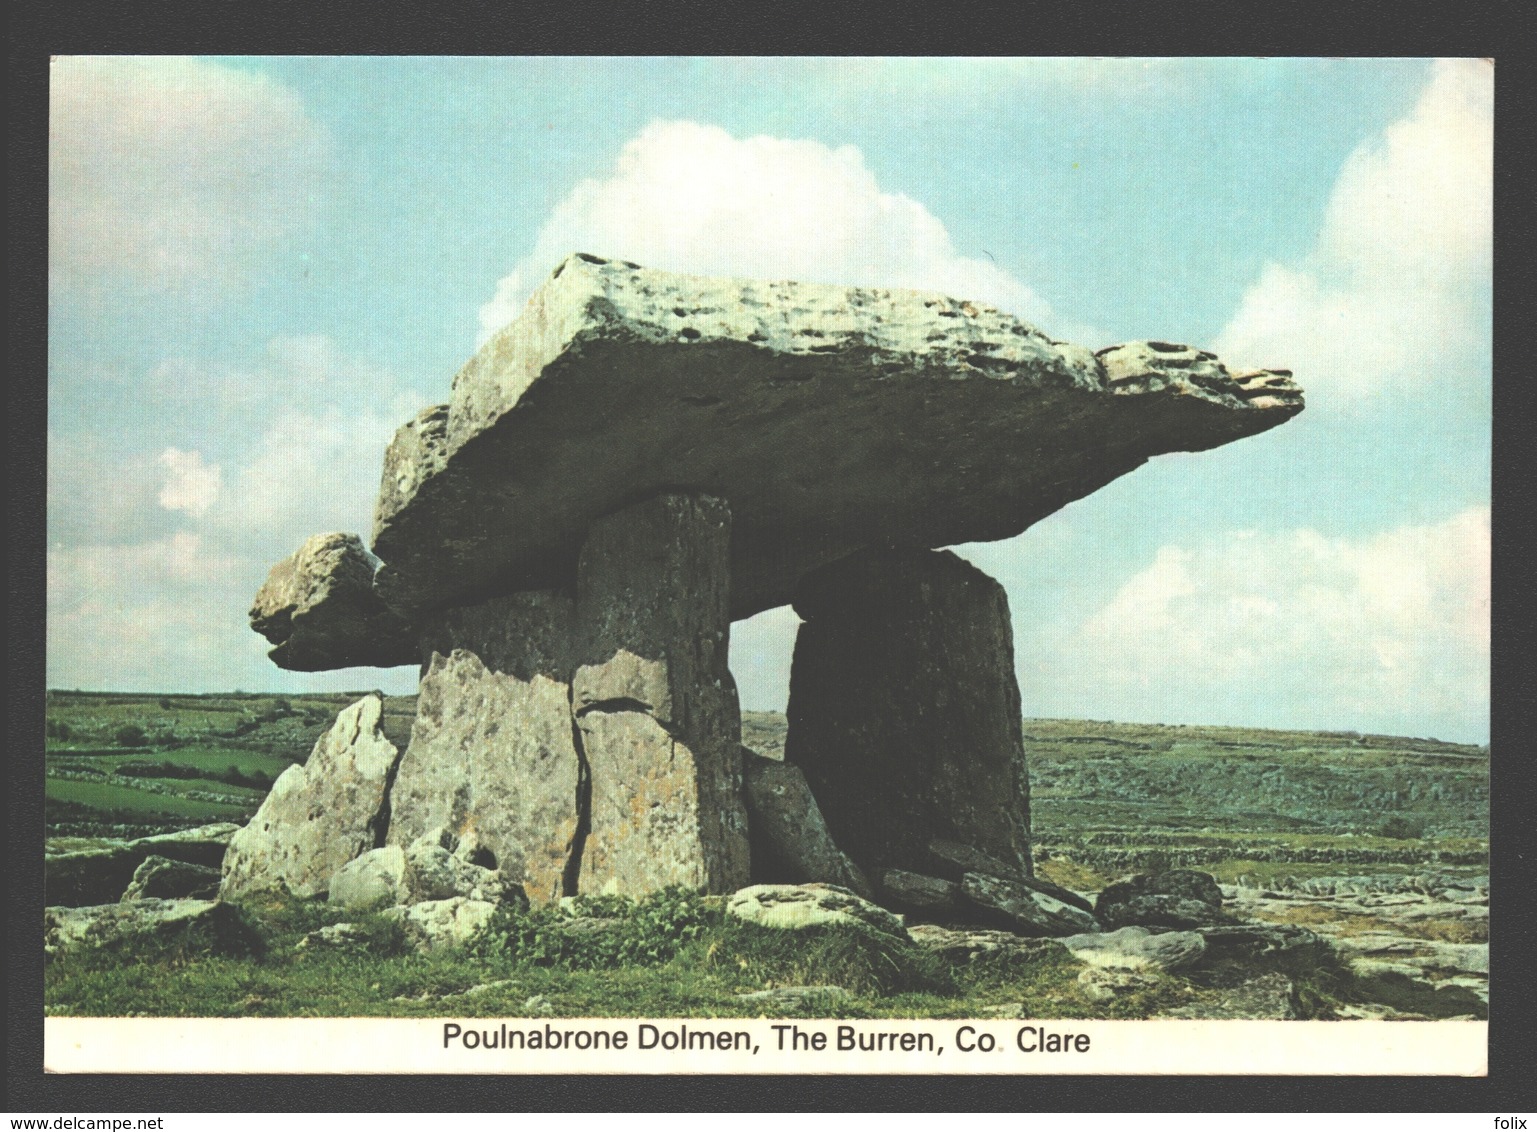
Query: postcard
<point x="768" y="565"/>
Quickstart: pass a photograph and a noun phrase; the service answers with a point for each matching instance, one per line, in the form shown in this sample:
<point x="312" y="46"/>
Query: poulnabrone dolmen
<point x="637" y="461"/>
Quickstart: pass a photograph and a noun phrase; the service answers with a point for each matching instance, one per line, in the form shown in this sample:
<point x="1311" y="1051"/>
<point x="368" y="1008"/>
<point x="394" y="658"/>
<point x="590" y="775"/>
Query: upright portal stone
<point x="904" y="713"/>
<point x="321" y="815"/>
<point x="492" y="758"/>
<point x="655" y="703"/>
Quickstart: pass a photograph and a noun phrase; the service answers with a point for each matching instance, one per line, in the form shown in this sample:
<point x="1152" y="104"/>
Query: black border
<point x="1186" y="27"/>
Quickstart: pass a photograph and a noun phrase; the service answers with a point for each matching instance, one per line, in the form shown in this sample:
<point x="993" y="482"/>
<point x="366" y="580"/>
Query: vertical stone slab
<point x="904" y="712"/>
<point x="656" y="707"/>
<point x="492" y="756"/>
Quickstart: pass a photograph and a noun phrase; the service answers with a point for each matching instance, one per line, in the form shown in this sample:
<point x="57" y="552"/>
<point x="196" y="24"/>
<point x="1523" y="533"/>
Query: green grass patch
<point x="124" y="799"/>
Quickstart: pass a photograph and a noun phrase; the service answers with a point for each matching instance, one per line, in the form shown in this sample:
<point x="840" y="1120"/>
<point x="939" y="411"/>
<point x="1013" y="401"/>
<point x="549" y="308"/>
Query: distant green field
<point x="212" y="759"/>
<point x="108" y="797"/>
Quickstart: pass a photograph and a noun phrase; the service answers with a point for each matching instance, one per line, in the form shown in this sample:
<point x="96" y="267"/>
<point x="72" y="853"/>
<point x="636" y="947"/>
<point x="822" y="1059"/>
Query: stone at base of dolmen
<point x="904" y="713"/>
<point x="492" y="759"/>
<point x="655" y="703"/>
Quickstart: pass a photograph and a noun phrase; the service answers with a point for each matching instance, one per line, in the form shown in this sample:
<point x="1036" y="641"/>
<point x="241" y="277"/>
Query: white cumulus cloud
<point x="691" y="198"/>
<point x="1359" y="633"/>
<point x="191" y="484"/>
<point x="1395" y="291"/>
<point x="172" y="172"/>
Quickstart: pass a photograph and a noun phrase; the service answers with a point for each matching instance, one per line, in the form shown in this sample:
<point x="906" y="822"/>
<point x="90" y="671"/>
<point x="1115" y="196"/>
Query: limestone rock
<point x="436" y="871"/>
<point x="99" y="876"/>
<point x="1024" y="909"/>
<point x="375" y="879"/>
<point x="439" y="924"/>
<point x="1269" y="996"/>
<point x="319" y="608"/>
<point x="1260" y="941"/>
<point x="911" y="412"/>
<point x="1178" y="898"/>
<point x="1106" y="984"/>
<point x="904" y="713"/>
<point x="492" y="758"/>
<point x="787" y="829"/>
<point x="796" y="907"/>
<point x="967" y="945"/>
<point x="656" y="706"/>
<point x="105" y="925"/>
<point x="1134" y="948"/>
<point x="930" y="897"/>
<point x="952" y="860"/>
<point x="163" y="877"/>
<point x="321" y="815"/>
<point x="334" y="937"/>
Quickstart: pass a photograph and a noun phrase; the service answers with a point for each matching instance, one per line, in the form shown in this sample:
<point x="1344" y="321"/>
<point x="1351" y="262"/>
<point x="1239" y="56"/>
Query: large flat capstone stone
<point x="829" y="418"/>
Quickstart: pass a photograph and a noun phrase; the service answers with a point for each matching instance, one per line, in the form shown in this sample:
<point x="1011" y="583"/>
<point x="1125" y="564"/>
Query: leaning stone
<point x="492" y="758"/>
<point x="1024" y="909"/>
<point x="1134" y="948"/>
<point x="374" y="880"/>
<point x="107" y="925"/>
<point x="319" y="609"/>
<point x="925" y="896"/>
<point x="945" y="420"/>
<point x="786" y="828"/>
<point x="904" y="713"/>
<point x="1178" y="898"/>
<point x="655" y="703"/>
<point x="163" y="877"/>
<point x="321" y="815"/>
<point x="436" y="925"/>
<point x="952" y="860"/>
<point x="796" y="907"/>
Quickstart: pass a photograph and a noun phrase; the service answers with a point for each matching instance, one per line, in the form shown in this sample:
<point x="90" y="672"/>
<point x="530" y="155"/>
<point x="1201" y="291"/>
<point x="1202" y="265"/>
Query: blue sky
<point x="260" y="267"/>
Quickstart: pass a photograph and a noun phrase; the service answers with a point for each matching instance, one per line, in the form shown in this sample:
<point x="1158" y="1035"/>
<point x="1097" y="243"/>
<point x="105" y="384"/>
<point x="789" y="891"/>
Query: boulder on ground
<point x="140" y="921"/>
<point x="319" y="609"/>
<point x="967" y="945"/>
<point x="161" y="877"/>
<point x="1134" y="948"/>
<point x="1024" y="909"/>
<point x="321" y="815"/>
<point x="1178" y="898"/>
<point x="371" y="881"/>
<point x="425" y="870"/>
<point x="787" y="831"/>
<point x="438" y="924"/>
<point x="1270" y="996"/>
<point x="796" y="907"/>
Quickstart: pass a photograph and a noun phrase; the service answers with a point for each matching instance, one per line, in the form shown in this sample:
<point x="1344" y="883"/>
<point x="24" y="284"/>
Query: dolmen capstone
<point x="642" y="458"/>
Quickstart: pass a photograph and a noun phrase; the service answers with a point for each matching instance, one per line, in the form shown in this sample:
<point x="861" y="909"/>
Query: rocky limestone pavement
<point x="1268" y="996"/>
<point x="1178" y="898"/>
<point x="787" y="833"/>
<point x="162" y="877"/>
<point x="911" y="415"/>
<point x="797" y="907"/>
<point x="319" y="610"/>
<point x="656" y="706"/>
<point x="321" y="815"/>
<point x="904" y="714"/>
<point x="492" y="757"/>
<point x="1134" y="948"/>
<point x="1023" y="909"/>
<point x="966" y="945"/>
<point x="100" y="876"/>
<point x="1106" y="984"/>
<point x="106" y="925"/>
